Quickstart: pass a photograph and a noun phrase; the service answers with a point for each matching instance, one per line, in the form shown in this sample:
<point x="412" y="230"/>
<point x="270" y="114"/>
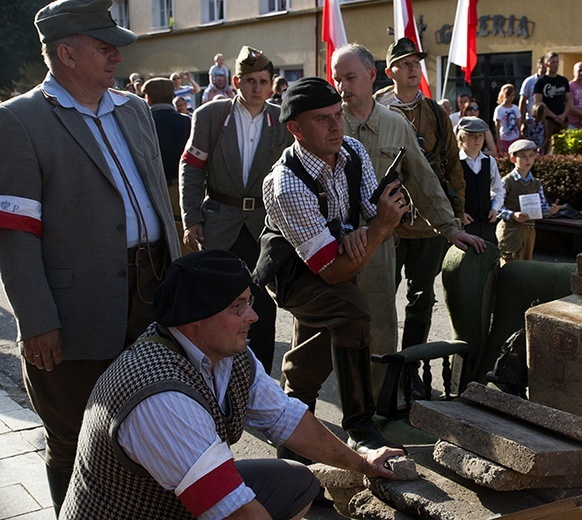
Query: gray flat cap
<point x="472" y="125"/>
<point x="521" y="145"/>
<point x="89" y="17"/>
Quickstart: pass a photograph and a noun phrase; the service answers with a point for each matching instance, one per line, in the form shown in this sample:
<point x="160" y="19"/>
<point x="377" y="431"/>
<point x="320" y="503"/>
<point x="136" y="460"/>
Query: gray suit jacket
<point x="74" y="277"/>
<point x="214" y="133"/>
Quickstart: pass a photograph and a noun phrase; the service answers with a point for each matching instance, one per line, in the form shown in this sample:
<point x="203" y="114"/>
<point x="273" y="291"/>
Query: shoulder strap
<point x="440" y="130"/>
<point x="353" y="172"/>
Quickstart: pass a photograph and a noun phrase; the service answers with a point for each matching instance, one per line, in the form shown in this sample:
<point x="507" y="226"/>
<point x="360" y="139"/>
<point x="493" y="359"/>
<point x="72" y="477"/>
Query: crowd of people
<point x="145" y="358"/>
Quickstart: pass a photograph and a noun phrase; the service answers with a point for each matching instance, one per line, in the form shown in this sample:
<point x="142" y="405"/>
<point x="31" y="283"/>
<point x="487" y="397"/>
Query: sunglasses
<point x="473" y="108"/>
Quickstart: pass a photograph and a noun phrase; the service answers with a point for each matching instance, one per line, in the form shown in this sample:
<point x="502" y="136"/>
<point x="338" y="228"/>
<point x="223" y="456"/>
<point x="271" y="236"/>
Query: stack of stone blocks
<point x="497" y="453"/>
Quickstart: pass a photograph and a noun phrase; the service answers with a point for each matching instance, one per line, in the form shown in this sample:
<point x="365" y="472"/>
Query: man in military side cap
<point x="157" y="432"/>
<point x="232" y="146"/>
<point x="86" y="232"/>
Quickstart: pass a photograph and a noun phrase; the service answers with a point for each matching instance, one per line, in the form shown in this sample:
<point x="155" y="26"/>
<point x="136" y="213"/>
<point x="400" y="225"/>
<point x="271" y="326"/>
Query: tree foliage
<point x="20" y="45"/>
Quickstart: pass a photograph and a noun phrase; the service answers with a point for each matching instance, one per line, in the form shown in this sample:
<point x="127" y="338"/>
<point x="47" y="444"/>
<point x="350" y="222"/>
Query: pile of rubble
<point x="496" y="454"/>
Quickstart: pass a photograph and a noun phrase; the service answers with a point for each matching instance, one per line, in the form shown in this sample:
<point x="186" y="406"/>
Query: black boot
<point x="415" y="333"/>
<point x="351" y="367"/>
<point x="58" y="482"/>
<point x="285" y="453"/>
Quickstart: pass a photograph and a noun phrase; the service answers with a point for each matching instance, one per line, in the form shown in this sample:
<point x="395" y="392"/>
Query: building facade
<point x="180" y="35"/>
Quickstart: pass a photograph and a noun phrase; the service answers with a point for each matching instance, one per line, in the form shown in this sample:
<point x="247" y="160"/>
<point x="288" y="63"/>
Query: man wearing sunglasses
<point x="420" y="250"/>
<point x="156" y="437"/>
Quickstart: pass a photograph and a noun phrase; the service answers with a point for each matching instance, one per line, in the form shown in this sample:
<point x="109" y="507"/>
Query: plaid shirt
<point x="294" y="208"/>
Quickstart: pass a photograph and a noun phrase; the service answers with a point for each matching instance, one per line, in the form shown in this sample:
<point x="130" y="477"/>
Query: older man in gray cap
<point x="86" y="227"/>
<point x="192" y="367"/>
<point x="232" y="146"/>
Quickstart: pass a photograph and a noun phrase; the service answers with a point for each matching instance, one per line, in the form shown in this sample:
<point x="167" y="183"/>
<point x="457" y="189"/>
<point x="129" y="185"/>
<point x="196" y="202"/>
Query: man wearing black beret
<point x="158" y="426"/>
<point x="314" y="198"/>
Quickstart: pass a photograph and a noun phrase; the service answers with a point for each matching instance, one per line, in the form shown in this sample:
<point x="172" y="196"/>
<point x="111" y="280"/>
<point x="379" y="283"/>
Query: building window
<point x="212" y="11"/>
<point x="162" y="13"/>
<point x="274" y="6"/>
<point x="491" y="72"/>
<point x="120" y="12"/>
<point x="291" y="75"/>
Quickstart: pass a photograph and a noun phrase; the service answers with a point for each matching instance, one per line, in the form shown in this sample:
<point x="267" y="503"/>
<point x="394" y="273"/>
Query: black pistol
<point x="390" y="176"/>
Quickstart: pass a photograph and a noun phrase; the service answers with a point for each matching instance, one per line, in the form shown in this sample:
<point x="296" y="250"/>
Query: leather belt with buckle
<point x="246" y="203"/>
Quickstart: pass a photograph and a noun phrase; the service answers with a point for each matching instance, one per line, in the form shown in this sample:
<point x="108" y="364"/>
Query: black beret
<point x="200" y="285"/>
<point x="308" y="93"/>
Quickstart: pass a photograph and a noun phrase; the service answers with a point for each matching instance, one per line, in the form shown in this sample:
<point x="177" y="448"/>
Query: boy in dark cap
<point x="326" y="248"/>
<point x="157" y="430"/>
<point x="85" y="234"/>
<point x="232" y="146"/>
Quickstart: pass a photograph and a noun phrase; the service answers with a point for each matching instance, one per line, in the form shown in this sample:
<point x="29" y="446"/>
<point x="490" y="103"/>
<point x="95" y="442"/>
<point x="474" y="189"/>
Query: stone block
<point x="558" y="421"/>
<point x="404" y="467"/>
<point x="329" y="476"/>
<point x="576" y="281"/>
<point x="579" y="263"/>
<point x="341" y="498"/>
<point x="365" y="506"/>
<point x="436" y="496"/>
<point x="492" y="475"/>
<point x="498" y="438"/>
<point x="554" y="348"/>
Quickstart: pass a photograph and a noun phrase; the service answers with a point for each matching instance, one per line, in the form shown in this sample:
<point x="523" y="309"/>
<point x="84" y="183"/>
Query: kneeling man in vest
<point x="314" y="197"/>
<point x="158" y="426"/>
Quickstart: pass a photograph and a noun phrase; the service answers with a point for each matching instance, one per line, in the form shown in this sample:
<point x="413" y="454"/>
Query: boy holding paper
<point x="524" y="202"/>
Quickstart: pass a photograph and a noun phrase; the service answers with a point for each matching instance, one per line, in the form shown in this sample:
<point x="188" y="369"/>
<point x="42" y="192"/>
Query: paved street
<point x="23" y="490"/>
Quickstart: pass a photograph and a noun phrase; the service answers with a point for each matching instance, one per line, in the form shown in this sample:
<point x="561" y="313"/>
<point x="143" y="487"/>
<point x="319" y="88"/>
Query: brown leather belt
<point x="246" y="203"/>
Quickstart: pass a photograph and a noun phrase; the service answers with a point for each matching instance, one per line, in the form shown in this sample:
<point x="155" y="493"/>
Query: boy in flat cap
<point x="157" y="432"/>
<point x="314" y="198"/>
<point x="85" y="234"/>
<point x="484" y="192"/>
<point x="516" y="231"/>
<point x="232" y="146"/>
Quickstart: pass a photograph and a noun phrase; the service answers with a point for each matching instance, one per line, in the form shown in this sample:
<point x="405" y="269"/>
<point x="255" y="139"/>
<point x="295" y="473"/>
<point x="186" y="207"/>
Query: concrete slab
<point x="498" y="438"/>
<point x="12" y="444"/>
<point x="7" y="404"/>
<point x="492" y="475"/>
<point x="558" y="421"/>
<point x="20" y="419"/>
<point x="554" y="353"/>
<point x="28" y="471"/>
<point x="366" y="505"/>
<point x="34" y="437"/>
<point x="16" y="500"/>
<point x="445" y="496"/>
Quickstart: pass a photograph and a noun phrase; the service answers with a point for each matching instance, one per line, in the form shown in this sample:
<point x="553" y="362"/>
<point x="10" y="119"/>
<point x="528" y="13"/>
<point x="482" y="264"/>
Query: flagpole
<point x="444" y="90"/>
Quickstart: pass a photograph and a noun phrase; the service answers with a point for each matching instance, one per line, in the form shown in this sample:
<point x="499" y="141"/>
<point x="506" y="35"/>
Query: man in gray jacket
<point x="232" y="146"/>
<point x="86" y="227"/>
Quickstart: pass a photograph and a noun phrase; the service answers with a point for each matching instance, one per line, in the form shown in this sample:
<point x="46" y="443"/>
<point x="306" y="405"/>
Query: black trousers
<point x="262" y="333"/>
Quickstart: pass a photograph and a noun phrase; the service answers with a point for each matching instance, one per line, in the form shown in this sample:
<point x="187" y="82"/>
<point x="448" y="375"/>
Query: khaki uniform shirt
<point x="424" y="119"/>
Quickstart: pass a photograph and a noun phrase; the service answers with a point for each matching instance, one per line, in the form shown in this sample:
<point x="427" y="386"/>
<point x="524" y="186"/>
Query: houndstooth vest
<point x="106" y="484"/>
